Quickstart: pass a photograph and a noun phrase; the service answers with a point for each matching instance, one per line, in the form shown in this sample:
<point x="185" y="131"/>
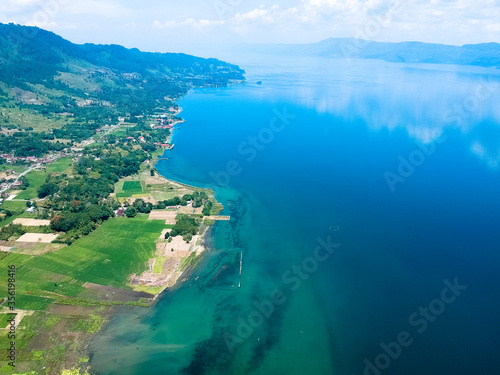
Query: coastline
<point x="177" y="268"/>
<point x="196" y="245"/>
<point x="75" y="309"/>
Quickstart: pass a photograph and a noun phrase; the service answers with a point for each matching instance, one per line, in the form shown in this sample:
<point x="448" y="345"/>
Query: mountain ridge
<point x="482" y="54"/>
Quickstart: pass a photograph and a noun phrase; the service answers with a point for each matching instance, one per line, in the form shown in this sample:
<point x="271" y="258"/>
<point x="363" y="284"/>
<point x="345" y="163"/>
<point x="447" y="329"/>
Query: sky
<point x="197" y="26"/>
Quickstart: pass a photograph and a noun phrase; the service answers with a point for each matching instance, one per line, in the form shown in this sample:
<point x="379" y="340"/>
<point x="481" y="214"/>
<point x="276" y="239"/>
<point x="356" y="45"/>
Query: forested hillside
<point x="81" y="87"/>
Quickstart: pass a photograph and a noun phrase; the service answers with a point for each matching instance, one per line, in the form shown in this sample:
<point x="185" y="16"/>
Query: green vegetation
<point x="159" y="262"/>
<point x="130" y="188"/>
<point x="14" y="230"/>
<point x="132" y="185"/>
<point x="70" y="100"/>
<point x="186" y="226"/>
<point x="190" y="261"/>
<point x="131" y="212"/>
<point x="207" y="209"/>
<point x="4" y="320"/>
<point x="51" y="322"/>
<point x="59" y="165"/>
<point x="107" y="256"/>
<point x="35" y="180"/>
<point x="92" y="324"/>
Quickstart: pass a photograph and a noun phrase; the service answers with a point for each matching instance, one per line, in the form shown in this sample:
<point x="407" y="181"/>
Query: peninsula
<point x="86" y="221"/>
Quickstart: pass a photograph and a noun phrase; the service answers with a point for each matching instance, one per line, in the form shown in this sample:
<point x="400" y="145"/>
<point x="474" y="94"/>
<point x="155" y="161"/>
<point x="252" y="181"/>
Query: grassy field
<point x="14" y="206"/>
<point x="128" y="189"/>
<point x="107" y="256"/>
<point x="35" y="179"/>
<point x="16" y="168"/>
<point x="27" y="118"/>
<point x="159" y="262"/>
<point x="4" y="320"/>
<point x="59" y="165"/>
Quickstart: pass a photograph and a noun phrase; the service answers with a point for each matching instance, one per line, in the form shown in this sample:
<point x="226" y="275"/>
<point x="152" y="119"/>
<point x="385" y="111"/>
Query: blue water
<point x="394" y="165"/>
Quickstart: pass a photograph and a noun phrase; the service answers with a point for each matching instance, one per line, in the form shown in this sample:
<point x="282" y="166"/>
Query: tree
<point x="24" y="184"/>
<point x="142" y="207"/>
<point x="207" y="209"/>
<point x="47" y="189"/>
<point x="131" y="211"/>
<point x="167" y="235"/>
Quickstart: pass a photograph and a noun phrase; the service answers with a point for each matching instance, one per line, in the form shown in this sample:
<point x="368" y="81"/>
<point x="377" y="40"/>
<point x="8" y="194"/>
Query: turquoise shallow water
<point x="363" y="196"/>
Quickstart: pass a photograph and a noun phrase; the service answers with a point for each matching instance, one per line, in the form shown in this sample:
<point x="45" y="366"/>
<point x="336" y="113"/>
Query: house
<point x="130" y="138"/>
<point x="17" y="183"/>
<point x="120" y="212"/>
<point x="9" y="171"/>
<point x="31" y="209"/>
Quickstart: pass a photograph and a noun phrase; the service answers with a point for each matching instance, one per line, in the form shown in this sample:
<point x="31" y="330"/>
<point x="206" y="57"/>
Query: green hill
<point x="41" y="69"/>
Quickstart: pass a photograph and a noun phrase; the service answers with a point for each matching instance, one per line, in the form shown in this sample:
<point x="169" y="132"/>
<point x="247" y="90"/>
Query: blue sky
<point x="194" y="25"/>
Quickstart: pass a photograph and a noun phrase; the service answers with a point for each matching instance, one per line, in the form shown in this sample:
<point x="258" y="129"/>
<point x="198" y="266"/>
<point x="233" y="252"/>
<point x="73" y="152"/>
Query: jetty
<point x="241" y="266"/>
<point x="218" y="218"/>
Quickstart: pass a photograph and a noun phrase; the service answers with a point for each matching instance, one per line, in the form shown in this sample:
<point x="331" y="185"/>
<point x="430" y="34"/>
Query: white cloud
<point x="273" y="21"/>
<point x="187" y="22"/>
<point x="259" y="15"/>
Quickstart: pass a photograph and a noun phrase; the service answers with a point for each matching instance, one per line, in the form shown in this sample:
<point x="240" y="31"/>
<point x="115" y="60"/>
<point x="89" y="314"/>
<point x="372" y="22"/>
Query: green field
<point x="15" y="168"/>
<point x="59" y="165"/>
<point x="15" y="206"/>
<point x="132" y="185"/>
<point x="129" y="189"/>
<point x="35" y="179"/>
<point x="107" y="256"/>
<point x="4" y="320"/>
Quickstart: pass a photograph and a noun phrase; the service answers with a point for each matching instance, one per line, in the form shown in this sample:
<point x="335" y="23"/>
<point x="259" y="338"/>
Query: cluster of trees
<point x="198" y="198"/>
<point x="151" y="136"/>
<point x="86" y="121"/>
<point x="79" y="204"/>
<point x="24" y="183"/>
<point x="11" y="230"/>
<point x="77" y="224"/>
<point x="207" y="209"/>
<point x="161" y="205"/>
<point x="139" y="206"/>
<point x="186" y="226"/>
<point x="24" y="144"/>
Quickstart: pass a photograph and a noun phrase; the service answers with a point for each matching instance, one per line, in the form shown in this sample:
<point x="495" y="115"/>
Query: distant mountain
<point x="485" y="54"/>
<point x="29" y="55"/>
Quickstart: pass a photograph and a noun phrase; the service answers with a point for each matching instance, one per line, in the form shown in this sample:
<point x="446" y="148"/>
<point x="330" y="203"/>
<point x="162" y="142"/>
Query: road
<point x="22" y="174"/>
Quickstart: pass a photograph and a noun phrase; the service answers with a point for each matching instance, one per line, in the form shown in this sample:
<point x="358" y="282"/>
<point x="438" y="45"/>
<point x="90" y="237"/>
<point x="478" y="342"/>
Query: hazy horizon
<point x="204" y="27"/>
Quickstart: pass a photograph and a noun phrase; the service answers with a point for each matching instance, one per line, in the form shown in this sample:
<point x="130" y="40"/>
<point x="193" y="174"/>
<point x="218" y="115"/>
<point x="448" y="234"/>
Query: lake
<point x="364" y="198"/>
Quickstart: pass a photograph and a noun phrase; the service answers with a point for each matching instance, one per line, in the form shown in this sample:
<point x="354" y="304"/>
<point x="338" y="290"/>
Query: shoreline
<point x="198" y="243"/>
<point x="175" y="277"/>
